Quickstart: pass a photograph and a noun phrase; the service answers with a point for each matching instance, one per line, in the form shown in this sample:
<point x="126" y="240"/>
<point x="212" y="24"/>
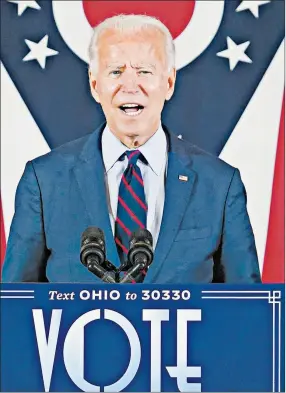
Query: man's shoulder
<point x="205" y="162"/>
<point x="62" y="156"/>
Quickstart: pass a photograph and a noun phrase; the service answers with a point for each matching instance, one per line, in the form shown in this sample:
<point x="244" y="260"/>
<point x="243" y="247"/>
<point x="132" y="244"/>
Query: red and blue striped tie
<point x="132" y="207"/>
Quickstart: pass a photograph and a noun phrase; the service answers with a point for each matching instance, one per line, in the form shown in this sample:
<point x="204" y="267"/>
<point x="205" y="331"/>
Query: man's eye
<point x="115" y="72"/>
<point x="144" y="72"/>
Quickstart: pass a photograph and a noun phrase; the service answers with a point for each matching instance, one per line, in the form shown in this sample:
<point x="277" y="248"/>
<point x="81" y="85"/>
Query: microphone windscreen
<point x="141" y="235"/>
<point x="92" y="234"/>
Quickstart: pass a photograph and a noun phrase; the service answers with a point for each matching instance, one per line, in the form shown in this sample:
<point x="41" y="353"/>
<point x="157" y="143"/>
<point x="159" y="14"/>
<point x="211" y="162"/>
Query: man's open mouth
<point x="132" y="109"/>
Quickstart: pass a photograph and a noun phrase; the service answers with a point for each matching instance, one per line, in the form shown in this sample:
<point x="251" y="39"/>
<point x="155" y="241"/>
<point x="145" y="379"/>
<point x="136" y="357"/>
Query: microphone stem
<point x="96" y="269"/>
<point x="132" y="273"/>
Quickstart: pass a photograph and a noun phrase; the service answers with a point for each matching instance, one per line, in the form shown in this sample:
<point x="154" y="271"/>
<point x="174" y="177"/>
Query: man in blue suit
<point x="132" y="172"/>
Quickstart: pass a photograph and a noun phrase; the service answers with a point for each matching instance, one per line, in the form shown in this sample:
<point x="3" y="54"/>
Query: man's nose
<point x="129" y="83"/>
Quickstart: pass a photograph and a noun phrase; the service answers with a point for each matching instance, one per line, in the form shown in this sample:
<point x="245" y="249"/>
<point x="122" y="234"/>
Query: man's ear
<point x="93" y="86"/>
<point x="171" y="84"/>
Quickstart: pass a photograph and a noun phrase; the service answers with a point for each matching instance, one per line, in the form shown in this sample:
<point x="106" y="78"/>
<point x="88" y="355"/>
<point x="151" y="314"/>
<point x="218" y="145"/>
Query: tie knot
<point x="133" y="156"/>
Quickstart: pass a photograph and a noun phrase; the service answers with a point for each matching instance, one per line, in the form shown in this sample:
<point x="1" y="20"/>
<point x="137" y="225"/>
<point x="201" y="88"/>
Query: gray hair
<point x="127" y="23"/>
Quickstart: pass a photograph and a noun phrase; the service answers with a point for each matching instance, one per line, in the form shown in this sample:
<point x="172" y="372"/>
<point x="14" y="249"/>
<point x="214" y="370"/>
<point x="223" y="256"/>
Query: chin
<point x="132" y="130"/>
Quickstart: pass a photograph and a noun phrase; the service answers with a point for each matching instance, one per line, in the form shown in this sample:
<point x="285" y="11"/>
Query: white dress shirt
<point x="153" y="174"/>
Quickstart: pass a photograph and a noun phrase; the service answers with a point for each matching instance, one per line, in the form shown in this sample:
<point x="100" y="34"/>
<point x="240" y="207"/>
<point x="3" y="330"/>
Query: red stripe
<point x="2" y="239"/>
<point x="130" y="212"/>
<point x="123" y="226"/>
<point x="274" y="260"/>
<point x="136" y="197"/>
<point x="137" y="177"/>
<point x="117" y="241"/>
<point x="133" y="154"/>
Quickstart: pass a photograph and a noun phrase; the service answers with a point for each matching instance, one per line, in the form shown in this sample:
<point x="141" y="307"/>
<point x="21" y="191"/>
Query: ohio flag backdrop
<point x="228" y="100"/>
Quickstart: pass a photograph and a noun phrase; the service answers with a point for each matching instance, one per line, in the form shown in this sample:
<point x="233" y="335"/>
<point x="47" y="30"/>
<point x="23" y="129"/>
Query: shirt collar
<point x="112" y="148"/>
<point x="154" y="150"/>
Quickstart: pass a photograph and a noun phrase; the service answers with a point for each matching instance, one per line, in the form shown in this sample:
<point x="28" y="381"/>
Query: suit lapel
<point x="177" y="197"/>
<point x="89" y="173"/>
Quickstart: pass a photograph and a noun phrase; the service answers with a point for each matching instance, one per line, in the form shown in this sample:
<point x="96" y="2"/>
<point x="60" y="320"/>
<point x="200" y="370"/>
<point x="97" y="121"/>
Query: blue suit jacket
<point x="205" y="233"/>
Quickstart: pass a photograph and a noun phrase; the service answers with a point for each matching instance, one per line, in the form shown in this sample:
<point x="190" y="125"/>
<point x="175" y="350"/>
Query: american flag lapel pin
<point x="183" y="178"/>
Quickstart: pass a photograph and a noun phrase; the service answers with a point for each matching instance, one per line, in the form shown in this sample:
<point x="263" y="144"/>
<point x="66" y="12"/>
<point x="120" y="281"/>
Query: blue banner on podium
<point x="76" y="337"/>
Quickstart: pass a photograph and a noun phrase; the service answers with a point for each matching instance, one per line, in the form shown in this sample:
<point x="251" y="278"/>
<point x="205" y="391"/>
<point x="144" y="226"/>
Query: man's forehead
<point x="147" y="35"/>
<point x="116" y="45"/>
<point x="134" y="64"/>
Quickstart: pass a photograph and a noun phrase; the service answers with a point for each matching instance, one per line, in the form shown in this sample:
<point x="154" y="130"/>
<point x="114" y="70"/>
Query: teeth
<point x="133" y="113"/>
<point x="130" y="105"/>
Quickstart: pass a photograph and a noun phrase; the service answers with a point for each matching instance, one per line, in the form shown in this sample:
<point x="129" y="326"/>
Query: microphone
<point x="92" y="254"/>
<point x="140" y="254"/>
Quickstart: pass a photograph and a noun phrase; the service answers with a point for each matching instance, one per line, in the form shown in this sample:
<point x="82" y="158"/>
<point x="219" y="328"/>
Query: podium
<point x="86" y="337"/>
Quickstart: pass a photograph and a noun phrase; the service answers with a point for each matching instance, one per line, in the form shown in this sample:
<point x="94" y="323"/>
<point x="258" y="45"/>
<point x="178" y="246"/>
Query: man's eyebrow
<point x="143" y="65"/>
<point x="116" y="66"/>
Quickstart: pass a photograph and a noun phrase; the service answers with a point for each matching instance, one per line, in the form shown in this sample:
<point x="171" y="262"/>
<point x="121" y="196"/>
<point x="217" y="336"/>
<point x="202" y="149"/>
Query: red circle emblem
<point x="192" y="23"/>
<point x="176" y="15"/>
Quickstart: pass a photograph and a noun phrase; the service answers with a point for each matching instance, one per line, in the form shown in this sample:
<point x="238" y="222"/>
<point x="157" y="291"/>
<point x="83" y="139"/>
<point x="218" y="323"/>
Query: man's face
<point x="132" y="82"/>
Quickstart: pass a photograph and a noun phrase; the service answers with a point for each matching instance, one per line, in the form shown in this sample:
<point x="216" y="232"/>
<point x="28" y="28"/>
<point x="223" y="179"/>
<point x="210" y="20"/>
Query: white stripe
<point x="21" y="141"/>
<point x="253" y="144"/>
<point x="235" y="297"/>
<point x="273" y="347"/>
<point x="279" y="347"/>
<point x="15" y="290"/>
<point x="17" y="297"/>
<point x="266" y="292"/>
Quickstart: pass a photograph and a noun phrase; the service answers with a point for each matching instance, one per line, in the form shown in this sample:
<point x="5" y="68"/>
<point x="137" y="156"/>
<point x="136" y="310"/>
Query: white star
<point x="24" y="4"/>
<point x="235" y="53"/>
<point x="252" y="6"/>
<point x="39" y="51"/>
<point x="180" y="136"/>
